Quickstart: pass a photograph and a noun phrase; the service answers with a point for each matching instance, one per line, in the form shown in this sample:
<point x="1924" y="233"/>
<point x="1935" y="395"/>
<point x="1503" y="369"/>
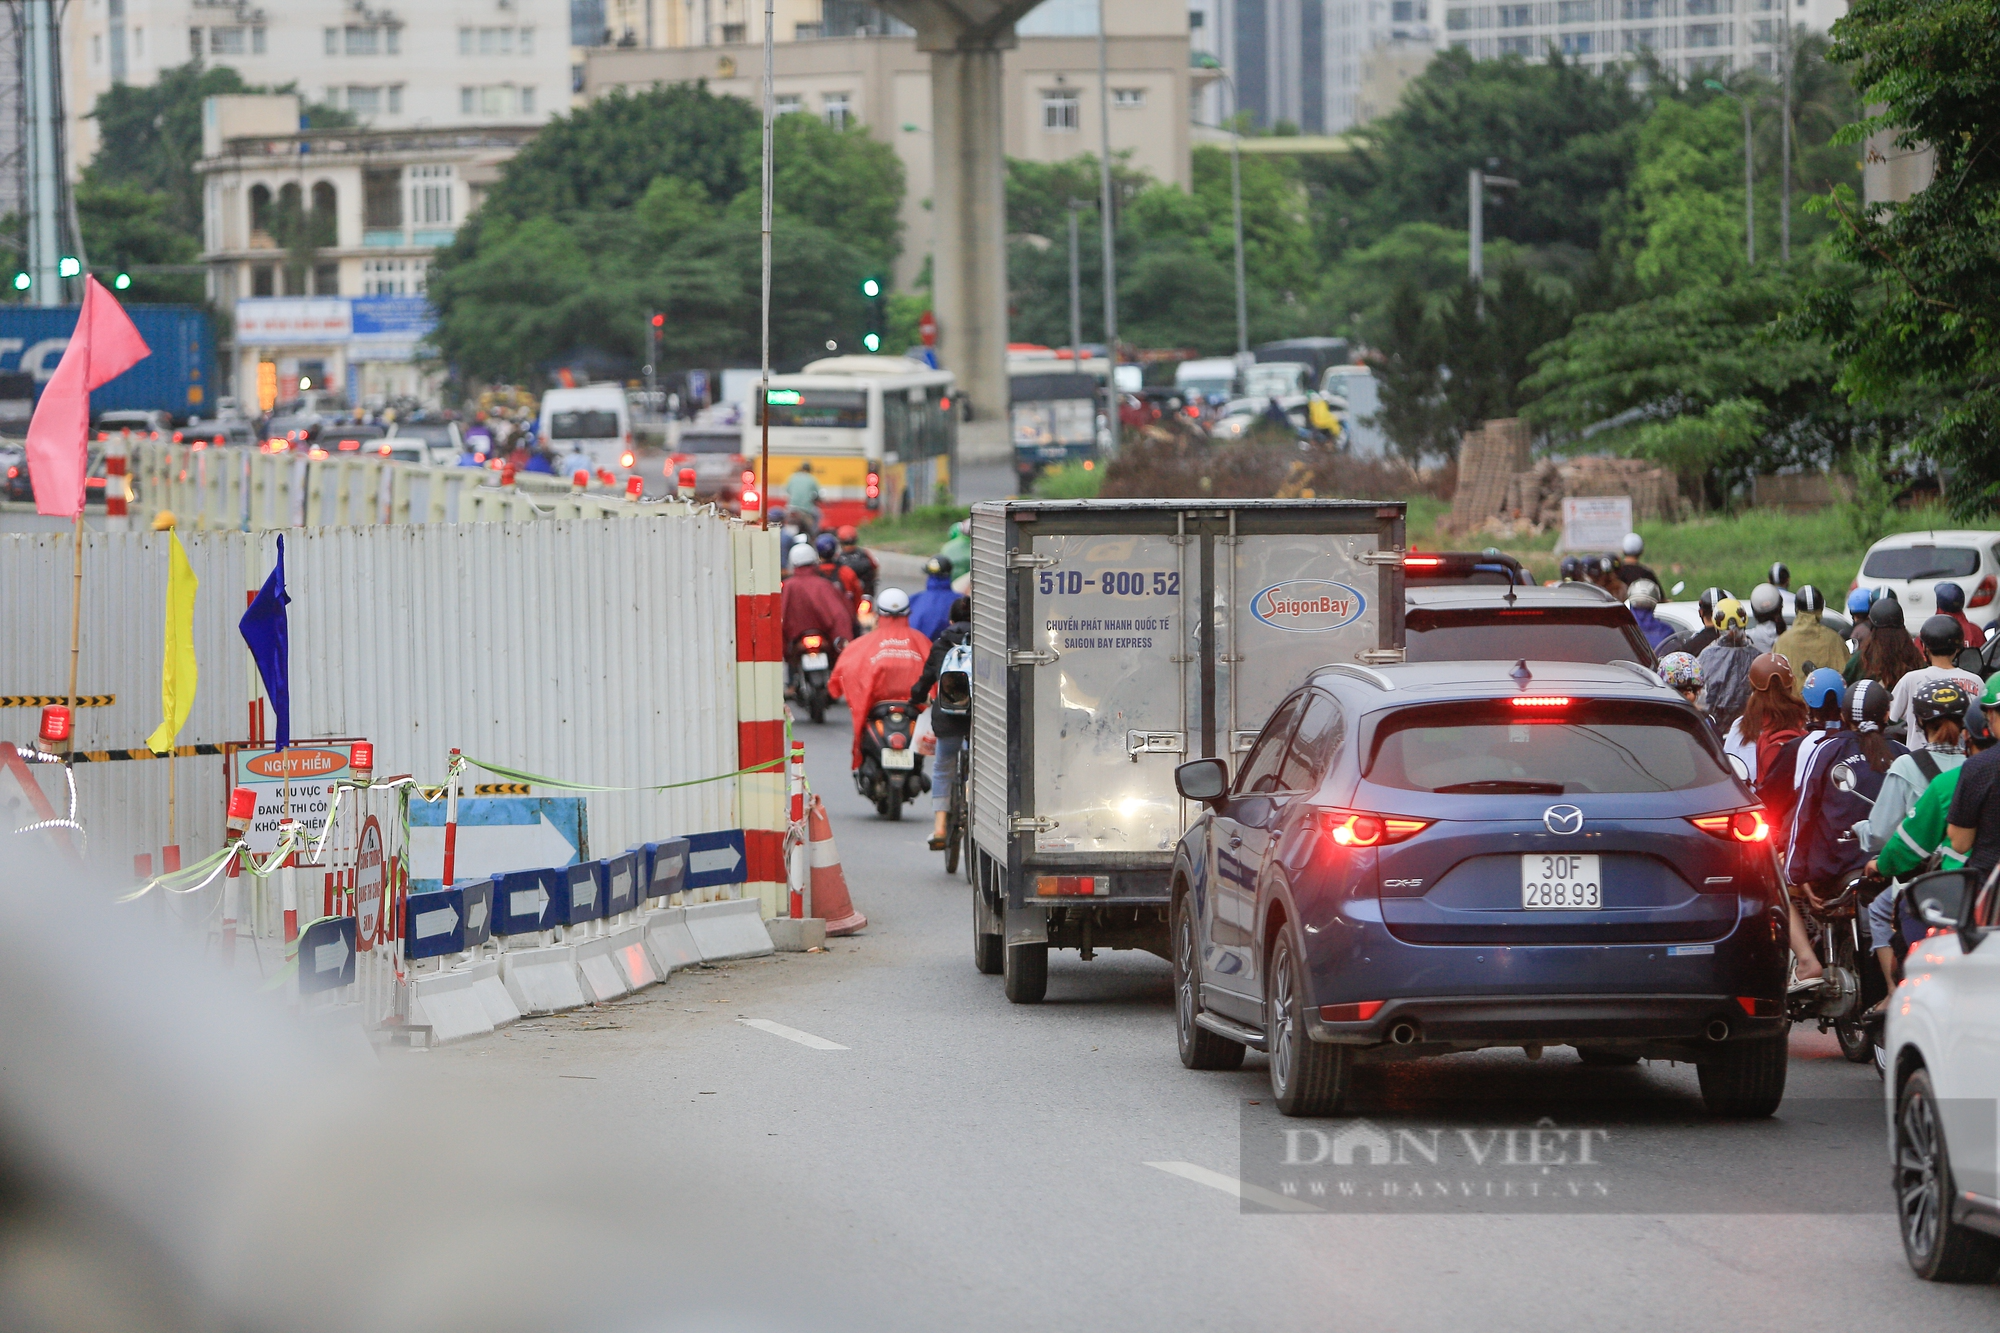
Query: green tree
<point x="1683" y="215"/>
<point x="125" y="228"/>
<point x="1924" y="319"/>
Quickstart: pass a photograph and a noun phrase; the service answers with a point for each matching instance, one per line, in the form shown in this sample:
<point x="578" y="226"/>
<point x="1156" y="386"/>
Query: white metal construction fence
<point x="598" y="652"/>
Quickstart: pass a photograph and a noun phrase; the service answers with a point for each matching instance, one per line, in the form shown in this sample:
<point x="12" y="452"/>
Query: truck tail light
<point x="1740" y="825"/>
<point x="625" y="459"/>
<point x="1072" y="886"/>
<point x="1354" y="828"/>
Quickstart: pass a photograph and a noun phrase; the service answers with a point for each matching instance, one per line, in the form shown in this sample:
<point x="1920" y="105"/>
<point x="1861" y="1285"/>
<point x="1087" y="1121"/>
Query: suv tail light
<point x="1739" y="825"/>
<point x="1354" y="828"/>
<point x="1359" y="1012"/>
<point x="1983" y="595"/>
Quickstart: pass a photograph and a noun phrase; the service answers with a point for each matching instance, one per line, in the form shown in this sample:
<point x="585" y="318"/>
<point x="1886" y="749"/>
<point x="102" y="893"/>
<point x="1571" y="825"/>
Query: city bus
<point x="880" y="432"/>
<point x="1055" y="404"/>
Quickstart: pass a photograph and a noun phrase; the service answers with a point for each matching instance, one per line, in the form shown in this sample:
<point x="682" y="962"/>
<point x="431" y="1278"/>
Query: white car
<point x="1912" y="564"/>
<point x="1941" y="1044"/>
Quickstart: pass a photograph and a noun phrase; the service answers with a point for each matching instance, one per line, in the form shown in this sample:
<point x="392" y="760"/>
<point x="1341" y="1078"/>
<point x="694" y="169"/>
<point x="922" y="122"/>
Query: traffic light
<point x="871" y="291"/>
<point x="122" y="281"/>
<point x="69" y="266"/>
<point x="22" y="282"/>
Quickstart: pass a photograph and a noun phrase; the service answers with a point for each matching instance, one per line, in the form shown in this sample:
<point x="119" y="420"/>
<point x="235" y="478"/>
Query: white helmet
<point x="1643" y="595"/>
<point x="893" y="602"/>
<point x="803" y="555"/>
<point x="1766" y="601"/>
<point x="1634" y="546"/>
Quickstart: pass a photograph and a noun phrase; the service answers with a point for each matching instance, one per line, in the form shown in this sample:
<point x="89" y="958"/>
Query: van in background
<point x="596" y="419"/>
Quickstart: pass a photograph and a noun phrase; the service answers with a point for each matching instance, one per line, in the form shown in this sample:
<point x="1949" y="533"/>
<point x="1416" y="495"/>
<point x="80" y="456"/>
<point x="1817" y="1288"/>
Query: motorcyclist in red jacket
<point x="882" y="664"/>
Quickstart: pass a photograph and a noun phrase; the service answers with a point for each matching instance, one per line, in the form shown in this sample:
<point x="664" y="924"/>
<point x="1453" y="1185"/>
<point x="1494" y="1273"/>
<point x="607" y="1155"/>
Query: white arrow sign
<point x="526" y="902"/>
<point x="331" y="957"/>
<point x="475" y="915"/>
<point x="438" y="922"/>
<point x="490" y="849"/>
<point x="714" y="859"/>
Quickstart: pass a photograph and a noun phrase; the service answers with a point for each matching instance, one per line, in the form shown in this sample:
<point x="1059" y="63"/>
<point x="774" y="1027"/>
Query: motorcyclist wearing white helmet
<point x="1630" y="571"/>
<point x="1767" y="614"/>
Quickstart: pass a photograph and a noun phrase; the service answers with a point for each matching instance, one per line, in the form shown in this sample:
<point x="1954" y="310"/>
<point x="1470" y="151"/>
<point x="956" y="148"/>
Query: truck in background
<point x="1113" y="640"/>
<point x="177" y="379"/>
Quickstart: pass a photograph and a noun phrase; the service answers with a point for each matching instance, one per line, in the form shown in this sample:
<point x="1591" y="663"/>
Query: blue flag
<point x="263" y="627"/>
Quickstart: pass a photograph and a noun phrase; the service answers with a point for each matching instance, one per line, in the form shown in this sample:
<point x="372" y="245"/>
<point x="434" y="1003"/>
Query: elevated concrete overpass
<point x="969" y="201"/>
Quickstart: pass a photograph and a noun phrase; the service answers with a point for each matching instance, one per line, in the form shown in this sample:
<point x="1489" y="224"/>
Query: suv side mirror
<point x="1204" y="780"/>
<point x="1940" y="898"/>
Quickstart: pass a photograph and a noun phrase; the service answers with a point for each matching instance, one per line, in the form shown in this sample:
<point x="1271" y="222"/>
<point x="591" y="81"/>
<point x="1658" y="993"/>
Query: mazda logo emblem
<point x="1563" y="819"/>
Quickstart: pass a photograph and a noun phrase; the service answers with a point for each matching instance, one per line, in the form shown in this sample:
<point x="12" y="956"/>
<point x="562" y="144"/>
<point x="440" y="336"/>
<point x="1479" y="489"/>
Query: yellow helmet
<point x="163" y="521"/>
<point x="1729" y="615"/>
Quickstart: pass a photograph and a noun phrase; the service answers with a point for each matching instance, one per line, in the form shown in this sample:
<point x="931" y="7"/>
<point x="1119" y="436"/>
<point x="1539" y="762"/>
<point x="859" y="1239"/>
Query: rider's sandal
<point x="937" y="844"/>
<point x="1804" y="984"/>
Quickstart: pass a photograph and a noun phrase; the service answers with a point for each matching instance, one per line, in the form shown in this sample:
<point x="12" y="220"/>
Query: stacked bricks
<point x="1487" y="461"/>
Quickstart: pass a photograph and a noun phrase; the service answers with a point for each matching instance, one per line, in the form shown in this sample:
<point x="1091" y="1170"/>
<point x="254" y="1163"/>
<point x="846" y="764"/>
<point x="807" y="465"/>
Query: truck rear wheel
<point x="1027" y="973"/>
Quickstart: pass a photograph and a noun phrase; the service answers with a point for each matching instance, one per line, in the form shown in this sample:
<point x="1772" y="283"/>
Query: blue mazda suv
<point x="1423" y="859"/>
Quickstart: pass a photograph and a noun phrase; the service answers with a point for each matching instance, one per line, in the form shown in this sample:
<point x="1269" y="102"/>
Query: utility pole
<point x="1075" y="292"/>
<point x="1477" y="182"/>
<point x="1236" y="213"/>
<point x="1749" y="177"/>
<point x="1785" y="148"/>
<point x="1108" y="225"/>
<point x="44" y="157"/>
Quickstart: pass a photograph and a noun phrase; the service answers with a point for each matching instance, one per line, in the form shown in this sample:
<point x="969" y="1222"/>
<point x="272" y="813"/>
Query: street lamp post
<point x="1236" y="218"/>
<point x="1075" y="292"/>
<point x="1107" y="221"/>
<point x="1749" y="177"/>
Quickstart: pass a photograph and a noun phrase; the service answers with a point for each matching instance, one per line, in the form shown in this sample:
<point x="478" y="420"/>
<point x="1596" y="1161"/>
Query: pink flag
<point x="104" y="346"/>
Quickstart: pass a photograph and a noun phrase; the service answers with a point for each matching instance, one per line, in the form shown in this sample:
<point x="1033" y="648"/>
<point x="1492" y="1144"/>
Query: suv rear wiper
<point x="1502" y="786"/>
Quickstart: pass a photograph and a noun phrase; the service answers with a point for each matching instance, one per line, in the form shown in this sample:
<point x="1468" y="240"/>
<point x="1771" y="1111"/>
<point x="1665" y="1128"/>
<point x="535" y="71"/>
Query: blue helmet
<point x="1950" y="598"/>
<point x="1823" y="687"/>
<point x="827" y="545"/>
<point x="1859" y="601"/>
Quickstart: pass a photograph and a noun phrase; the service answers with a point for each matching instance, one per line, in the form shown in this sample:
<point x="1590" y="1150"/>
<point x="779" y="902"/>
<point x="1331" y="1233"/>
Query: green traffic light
<point x="22" y="282"/>
<point x="872" y="341"/>
<point x="122" y="281"/>
<point x="68" y="266"/>
<point x="870" y="288"/>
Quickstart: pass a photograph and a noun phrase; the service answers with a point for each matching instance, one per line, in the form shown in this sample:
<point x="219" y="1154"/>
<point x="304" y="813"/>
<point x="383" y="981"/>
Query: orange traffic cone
<point x="829" y="882"/>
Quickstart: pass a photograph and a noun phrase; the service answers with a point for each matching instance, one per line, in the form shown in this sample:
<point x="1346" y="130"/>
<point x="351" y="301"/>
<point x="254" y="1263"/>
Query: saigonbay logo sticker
<point x="1308" y="606"/>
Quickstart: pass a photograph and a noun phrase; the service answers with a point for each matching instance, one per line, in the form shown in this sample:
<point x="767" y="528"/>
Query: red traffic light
<point x="659" y="321"/>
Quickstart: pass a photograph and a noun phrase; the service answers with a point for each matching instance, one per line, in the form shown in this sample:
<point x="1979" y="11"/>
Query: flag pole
<point x="75" y="614"/>
<point x="764" y="386"/>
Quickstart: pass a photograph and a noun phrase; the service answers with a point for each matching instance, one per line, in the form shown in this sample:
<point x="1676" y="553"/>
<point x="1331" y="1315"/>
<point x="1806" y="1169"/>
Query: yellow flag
<point x="177" y="671"/>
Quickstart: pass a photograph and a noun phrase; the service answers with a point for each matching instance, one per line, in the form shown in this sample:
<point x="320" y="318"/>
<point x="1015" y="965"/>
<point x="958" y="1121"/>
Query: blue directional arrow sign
<point x="582" y="898"/>
<point x="326" y="955"/>
<point x="715" y="858"/>
<point x="521" y="899"/>
<point x="434" y="923"/>
<point x="495" y="834"/>
<point x="621" y="879"/>
<point x="662" y="866"/>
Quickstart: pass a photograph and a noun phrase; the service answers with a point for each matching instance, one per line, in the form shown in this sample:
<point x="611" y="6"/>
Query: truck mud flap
<point x="1027" y="924"/>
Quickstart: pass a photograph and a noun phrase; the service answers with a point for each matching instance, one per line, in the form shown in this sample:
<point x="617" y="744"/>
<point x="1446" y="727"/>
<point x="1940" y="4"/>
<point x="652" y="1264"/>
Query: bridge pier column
<point x="969" y="263"/>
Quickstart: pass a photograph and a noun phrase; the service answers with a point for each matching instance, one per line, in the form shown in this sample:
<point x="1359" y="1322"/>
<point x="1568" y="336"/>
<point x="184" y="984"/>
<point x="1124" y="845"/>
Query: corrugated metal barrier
<point x="589" y="651"/>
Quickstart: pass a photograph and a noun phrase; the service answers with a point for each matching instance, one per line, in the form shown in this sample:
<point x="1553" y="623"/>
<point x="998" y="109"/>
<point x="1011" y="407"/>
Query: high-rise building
<point x="1691" y="38"/>
<point x="1301" y="62"/>
<point x="433" y="65"/>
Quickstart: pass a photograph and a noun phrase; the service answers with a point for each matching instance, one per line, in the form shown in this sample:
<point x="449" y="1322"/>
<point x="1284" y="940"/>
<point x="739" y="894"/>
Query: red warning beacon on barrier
<point x="242" y="809"/>
<point x="362" y="761"/>
<point x="58" y="727"/>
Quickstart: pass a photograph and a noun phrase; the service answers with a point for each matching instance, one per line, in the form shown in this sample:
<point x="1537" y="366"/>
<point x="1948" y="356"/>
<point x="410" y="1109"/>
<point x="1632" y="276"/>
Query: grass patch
<point x="920" y="532"/>
<point x="1071" y="481"/>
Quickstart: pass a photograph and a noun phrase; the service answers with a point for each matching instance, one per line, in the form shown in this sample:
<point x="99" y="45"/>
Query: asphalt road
<point x="961" y="1162"/>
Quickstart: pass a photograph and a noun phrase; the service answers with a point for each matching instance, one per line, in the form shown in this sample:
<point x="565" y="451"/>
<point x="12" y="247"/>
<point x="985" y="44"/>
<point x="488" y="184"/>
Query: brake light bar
<point x="1741" y="825"/>
<point x="1540" y="701"/>
<point x="1354" y="828"/>
<point x="1073" y="886"/>
<point x="1422" y="561"/>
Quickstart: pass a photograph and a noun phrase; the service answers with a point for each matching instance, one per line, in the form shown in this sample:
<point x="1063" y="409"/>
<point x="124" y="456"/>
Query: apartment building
<point x="1307" y="62"/>
<point x="878" y="79"/>
<point x="437" y="64"/>
<point x="1692" y="38"/>
<point x="319" y="242"/>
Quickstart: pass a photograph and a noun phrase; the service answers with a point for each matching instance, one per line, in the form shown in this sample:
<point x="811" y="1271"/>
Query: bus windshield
<point x="584" y="424"/>
<point x="822" y="409"/>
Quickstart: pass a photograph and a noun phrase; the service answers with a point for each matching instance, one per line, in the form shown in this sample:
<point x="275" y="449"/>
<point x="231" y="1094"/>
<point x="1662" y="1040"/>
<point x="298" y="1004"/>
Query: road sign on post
<point x="927" y="329"/>
<point x="326" y="955"/>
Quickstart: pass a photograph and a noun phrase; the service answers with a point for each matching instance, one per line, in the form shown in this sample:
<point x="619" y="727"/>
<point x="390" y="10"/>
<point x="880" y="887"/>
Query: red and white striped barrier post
<point x="798" y="868"/>
<point x="242" y="809"/>
<point x="117" y="493"/>
<point x="288" y="884"/>
<point x="451" y="823"/>
<point x="760" y="715"/>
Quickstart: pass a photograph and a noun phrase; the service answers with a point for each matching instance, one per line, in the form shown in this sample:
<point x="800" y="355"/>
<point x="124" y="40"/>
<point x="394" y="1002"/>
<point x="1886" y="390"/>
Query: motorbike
<point x="808" y="665"/>
<point x="891" y="771"/>
<point x="1854" y="984"/>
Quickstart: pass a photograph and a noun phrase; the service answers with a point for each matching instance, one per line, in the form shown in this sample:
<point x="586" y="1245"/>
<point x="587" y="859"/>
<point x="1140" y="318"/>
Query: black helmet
<point x="1978" y="731"/>
<point x="1810" y="601"/>
<point x="939" y="566"/>
<point x="1886" y="613"/>
<point x="1942" y="636"/>
<point x="1866" y="707"/>
<point x="1709" y="597"/>
<point x="961" y="609"/>
<point x="1779" y="574"/>
<point x="1939" y="700"/>
<point x="1950" y="597"/>
<point x="1571" y="568"/>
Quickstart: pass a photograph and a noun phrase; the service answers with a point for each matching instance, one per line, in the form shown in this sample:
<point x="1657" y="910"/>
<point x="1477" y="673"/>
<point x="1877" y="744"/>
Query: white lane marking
<point x="791" y="1034"/>
<point x="1230" y="1185"/>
